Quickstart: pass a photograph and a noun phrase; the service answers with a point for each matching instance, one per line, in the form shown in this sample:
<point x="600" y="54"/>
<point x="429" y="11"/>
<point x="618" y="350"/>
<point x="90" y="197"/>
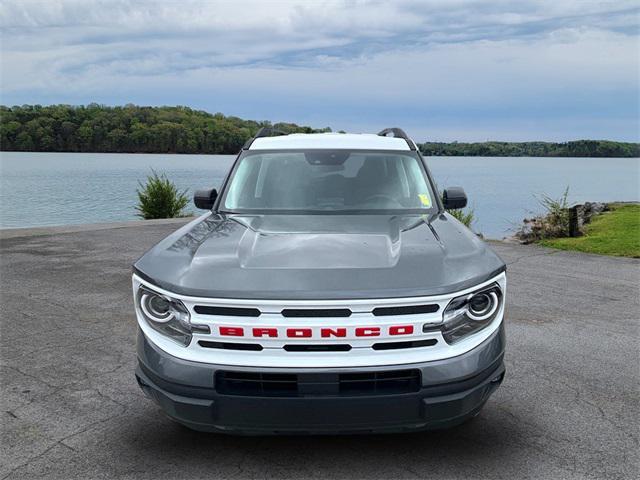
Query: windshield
<point x="328" y="181"/>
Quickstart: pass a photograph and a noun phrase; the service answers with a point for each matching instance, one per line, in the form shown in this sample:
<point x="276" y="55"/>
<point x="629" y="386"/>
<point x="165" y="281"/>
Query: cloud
<point x="456" y="67"/>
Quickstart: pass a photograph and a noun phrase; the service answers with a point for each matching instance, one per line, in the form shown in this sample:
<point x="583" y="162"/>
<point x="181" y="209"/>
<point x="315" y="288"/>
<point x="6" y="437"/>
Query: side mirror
<point x="205" y="198"/>
<point x="454" y="198"/>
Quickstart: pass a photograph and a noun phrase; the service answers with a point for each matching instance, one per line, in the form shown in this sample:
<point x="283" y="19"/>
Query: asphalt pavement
<point x="568" y="408"/>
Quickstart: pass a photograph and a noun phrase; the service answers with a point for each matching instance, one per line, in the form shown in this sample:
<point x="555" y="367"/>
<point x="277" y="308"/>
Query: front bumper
<point x="450" y="391"/>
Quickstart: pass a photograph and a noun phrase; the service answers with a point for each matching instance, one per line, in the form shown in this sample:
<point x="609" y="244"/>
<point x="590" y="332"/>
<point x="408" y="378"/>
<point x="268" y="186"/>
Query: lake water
<point x="38" y="189"/>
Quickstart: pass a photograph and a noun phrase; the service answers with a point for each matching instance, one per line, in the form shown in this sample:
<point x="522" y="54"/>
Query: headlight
<point x="472" y="312"/>
<point x="167" y="316"/>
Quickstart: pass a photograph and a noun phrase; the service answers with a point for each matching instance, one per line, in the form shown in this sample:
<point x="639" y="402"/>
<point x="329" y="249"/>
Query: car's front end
<point x="374" y="318"/>
<point x="321" y="366"/>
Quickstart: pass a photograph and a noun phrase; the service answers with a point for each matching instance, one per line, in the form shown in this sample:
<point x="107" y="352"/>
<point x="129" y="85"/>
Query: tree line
<point x="136" y="129"/>
<point x="127" y="129"/>
<point x="578" y="148"/>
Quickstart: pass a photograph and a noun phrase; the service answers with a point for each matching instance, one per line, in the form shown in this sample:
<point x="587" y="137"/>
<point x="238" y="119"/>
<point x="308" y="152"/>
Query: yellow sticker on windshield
<point x="424" y="199"/>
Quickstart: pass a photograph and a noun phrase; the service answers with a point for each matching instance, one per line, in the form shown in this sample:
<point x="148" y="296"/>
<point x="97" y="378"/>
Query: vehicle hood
<point x="319" y="257"/>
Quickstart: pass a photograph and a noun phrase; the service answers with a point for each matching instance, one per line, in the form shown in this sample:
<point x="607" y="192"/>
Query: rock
<point x="580" y="215"/>
<point x="548" y="226"/>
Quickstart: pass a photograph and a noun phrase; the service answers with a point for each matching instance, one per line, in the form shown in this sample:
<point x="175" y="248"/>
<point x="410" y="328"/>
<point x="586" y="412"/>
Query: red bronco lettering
<point x="306" y="332"/>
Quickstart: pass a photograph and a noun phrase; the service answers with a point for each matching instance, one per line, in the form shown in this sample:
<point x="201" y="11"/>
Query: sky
<point x="443" y="70"/>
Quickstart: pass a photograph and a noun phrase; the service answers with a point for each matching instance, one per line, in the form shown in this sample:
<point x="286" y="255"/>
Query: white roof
<point x="365" y="141"/>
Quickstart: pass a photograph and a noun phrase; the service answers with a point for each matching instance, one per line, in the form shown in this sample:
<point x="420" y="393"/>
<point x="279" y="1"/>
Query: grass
<point x="616" y="232"/>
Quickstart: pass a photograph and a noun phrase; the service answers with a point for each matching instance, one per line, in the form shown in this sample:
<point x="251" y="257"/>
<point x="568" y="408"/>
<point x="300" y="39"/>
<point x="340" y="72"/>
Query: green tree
<point x="132" y="128"/>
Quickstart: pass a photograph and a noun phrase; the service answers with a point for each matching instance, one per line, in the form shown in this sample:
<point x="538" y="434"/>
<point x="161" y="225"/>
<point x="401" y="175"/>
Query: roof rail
<point x="264" y="132"/>
<point x="398" y="133"/>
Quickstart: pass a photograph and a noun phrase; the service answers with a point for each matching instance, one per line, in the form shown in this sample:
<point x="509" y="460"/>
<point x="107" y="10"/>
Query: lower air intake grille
<point x="380" y="383"/>
<point x="258" y="384"/>
<point x="255" y="384"/>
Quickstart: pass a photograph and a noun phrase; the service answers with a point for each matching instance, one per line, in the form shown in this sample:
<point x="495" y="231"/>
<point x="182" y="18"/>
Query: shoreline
<point x="17" y="232"/>
<point x="43" y="230"/>
<point x="236" y="153"/>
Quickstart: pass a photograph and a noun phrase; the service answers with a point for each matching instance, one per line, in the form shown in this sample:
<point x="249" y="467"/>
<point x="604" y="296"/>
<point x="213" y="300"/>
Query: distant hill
<point x="578" y="148"/>
<point x="135" y="129"/>
<point x="128" y="129"/>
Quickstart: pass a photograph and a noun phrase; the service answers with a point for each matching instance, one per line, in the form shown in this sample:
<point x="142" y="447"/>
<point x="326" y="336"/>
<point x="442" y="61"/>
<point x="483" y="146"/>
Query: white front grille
<point x="238" y="327"/>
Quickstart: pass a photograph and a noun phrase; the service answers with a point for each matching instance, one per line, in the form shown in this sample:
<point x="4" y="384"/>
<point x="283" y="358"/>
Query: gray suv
<point x="325" y="290"/>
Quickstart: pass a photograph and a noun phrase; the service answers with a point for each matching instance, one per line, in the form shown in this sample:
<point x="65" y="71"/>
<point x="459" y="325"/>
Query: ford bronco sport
<point x="325" y="290"/>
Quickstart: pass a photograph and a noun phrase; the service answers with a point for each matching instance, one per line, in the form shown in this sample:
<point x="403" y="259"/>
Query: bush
<point x="160" y="198"/>
<point x="464" y="216"/>
<point x="554" y="223"/>
<point x="556" y="220"/>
